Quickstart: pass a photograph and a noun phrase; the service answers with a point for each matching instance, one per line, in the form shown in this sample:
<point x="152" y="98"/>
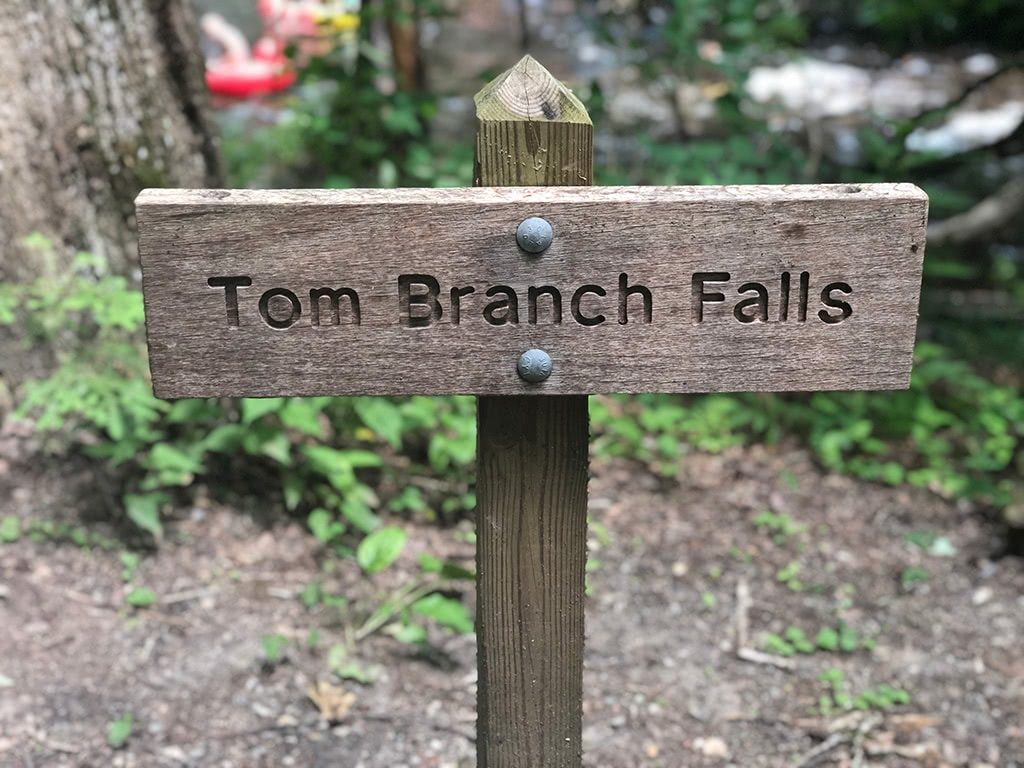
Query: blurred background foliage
<point x="356" y="118"/>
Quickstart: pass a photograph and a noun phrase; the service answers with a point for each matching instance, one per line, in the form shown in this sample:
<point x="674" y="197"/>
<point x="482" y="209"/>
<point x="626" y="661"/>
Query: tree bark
<point x="98" y="99"/>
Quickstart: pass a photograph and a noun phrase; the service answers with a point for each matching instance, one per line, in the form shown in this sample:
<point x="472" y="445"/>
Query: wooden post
<point x="531" y="474"/>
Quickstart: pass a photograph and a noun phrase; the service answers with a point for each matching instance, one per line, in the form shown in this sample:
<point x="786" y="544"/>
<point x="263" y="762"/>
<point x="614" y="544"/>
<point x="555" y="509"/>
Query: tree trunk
<point x="98" y="99"/>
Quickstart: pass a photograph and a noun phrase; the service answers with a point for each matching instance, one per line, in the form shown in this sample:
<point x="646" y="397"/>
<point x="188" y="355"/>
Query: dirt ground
<point x="664" y="684"/>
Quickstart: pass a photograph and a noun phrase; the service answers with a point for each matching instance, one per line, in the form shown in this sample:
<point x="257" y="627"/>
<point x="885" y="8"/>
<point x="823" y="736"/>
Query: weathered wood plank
<point x="532" y="467"/>
<point x="869" y="237"/>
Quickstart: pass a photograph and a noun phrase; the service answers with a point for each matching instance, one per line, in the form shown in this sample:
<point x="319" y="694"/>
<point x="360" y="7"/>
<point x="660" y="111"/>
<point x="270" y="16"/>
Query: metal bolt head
<point x="534" y="365"/>
<point x="534" y="234"/>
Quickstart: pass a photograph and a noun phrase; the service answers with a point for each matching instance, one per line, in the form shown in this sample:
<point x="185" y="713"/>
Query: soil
<point x="664" y="684"/>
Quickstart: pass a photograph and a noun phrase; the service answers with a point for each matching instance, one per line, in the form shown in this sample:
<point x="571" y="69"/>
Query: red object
<point x="253" y="77"/>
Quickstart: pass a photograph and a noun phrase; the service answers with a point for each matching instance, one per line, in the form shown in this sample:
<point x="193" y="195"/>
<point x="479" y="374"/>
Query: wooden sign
<point x="643" y="289"/>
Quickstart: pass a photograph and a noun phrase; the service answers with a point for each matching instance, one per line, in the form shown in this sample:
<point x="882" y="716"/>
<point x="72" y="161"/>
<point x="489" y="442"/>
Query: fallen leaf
<point x="332" y="701"/>
<point x="914" y="721"/>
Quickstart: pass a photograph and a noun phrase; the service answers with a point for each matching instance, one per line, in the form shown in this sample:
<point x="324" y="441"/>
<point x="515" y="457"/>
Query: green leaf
<point x="447" y="569"/>
<point x="353" y="670"/>
<point x="143" y="509"/>
<point x="129" y="565"/>
<point x="273" y="647"/>
<point x="445" y="611"/>
<point x="411" y="634"/>
<point x="10" y="529"/>
<point x="254" y="408"/>
<point x="772" y="643"/>
<point x="827" y="639"/>
<point x="293" y="489"/>
<point x="310" y="594"/>
<point x="303" y="416"/>
<point x="849" y="640"/>
<point x="140" y="597"/>
<point x="323" y="526"/>
<point x="912" y="575"/>
<point x="359" y="514"/>
<point x="430" y="564"/>
<point x="336" y="656"/>
<point x="380" y="549"/>
<point x="120" y="730"/>
<point x="383" y="417"/>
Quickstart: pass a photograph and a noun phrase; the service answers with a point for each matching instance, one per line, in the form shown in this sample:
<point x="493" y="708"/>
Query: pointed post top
<point x="529" y="92"/>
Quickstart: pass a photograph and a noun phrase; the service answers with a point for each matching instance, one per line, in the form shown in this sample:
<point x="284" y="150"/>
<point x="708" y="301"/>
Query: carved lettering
<point x="760" y="302"/>
<point x="533" y="294"/>
<point x="625" y="291"/>
<point x="428" y="308"/>
<point x="845" y="310"/>
<point x="702" y="297"/>
<point x="508" y="306"/>
<point x="287" y="301"/>
<point x="457" y="294"/>
<point x="230" y="286"/>
<point x="714" y="297"/>
<point x="577" y="300"/>
<point x="334" y="295"/>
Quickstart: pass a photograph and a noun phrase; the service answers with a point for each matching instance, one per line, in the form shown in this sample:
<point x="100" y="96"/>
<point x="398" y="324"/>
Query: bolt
<point x="534" y="365"/>
<point x="534" y="234"/>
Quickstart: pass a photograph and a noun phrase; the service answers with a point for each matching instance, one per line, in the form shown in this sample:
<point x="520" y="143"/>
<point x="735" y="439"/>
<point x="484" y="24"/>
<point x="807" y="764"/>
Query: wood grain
<point x="532" y="466"/>
<point x="531" y="561"/>
<point x="870" y="236"/>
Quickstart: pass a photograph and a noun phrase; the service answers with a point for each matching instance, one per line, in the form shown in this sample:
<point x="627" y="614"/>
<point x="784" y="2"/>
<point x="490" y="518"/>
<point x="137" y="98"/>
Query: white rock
<point x="712" y="746"/>
<point x="812" y="88"/>
<point x="981" y="595"/>
<point x="968" y="129"/>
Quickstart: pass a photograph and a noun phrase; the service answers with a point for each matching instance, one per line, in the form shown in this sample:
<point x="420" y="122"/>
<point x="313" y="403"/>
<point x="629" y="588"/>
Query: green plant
<point x="380" y="549"/>
<point x="913" y="575"/>
<point x="10" y="529"/>
<point x="789" y="575"/>
<point x="140" y="597"/>
<point x="273" y="648"/>
<point x="129" y="565"/>
<point x="932" y="543"/>
<point x="348" y="125"/>
<point x="954" y="431"/>
<point x="840" y="639"/>
<point x="120" y="730"/>
<point x="333" y="457"/>
<point x="781" y="526"/>
<point x="882" y="697"/>
<point x="404" y="612"/>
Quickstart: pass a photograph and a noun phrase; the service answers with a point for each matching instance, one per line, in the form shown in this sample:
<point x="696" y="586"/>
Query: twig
<point x="743" y="650"/>
<point x="985" y="220"/>
<point x="967" y="92"/>
<point x="865" y="727"/>
<point x="742" y="614"/>
<point x="186" y="595"/>
<point x="758" y="657"/>
<point x="854" y="736"/>
<point x="811" y="757"/>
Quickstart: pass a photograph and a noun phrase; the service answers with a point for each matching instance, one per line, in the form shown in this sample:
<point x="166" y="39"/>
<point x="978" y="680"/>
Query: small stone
<point x="177" y="754"/>
<point x="981" y="595"/>
<point x="712" y="746"/>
